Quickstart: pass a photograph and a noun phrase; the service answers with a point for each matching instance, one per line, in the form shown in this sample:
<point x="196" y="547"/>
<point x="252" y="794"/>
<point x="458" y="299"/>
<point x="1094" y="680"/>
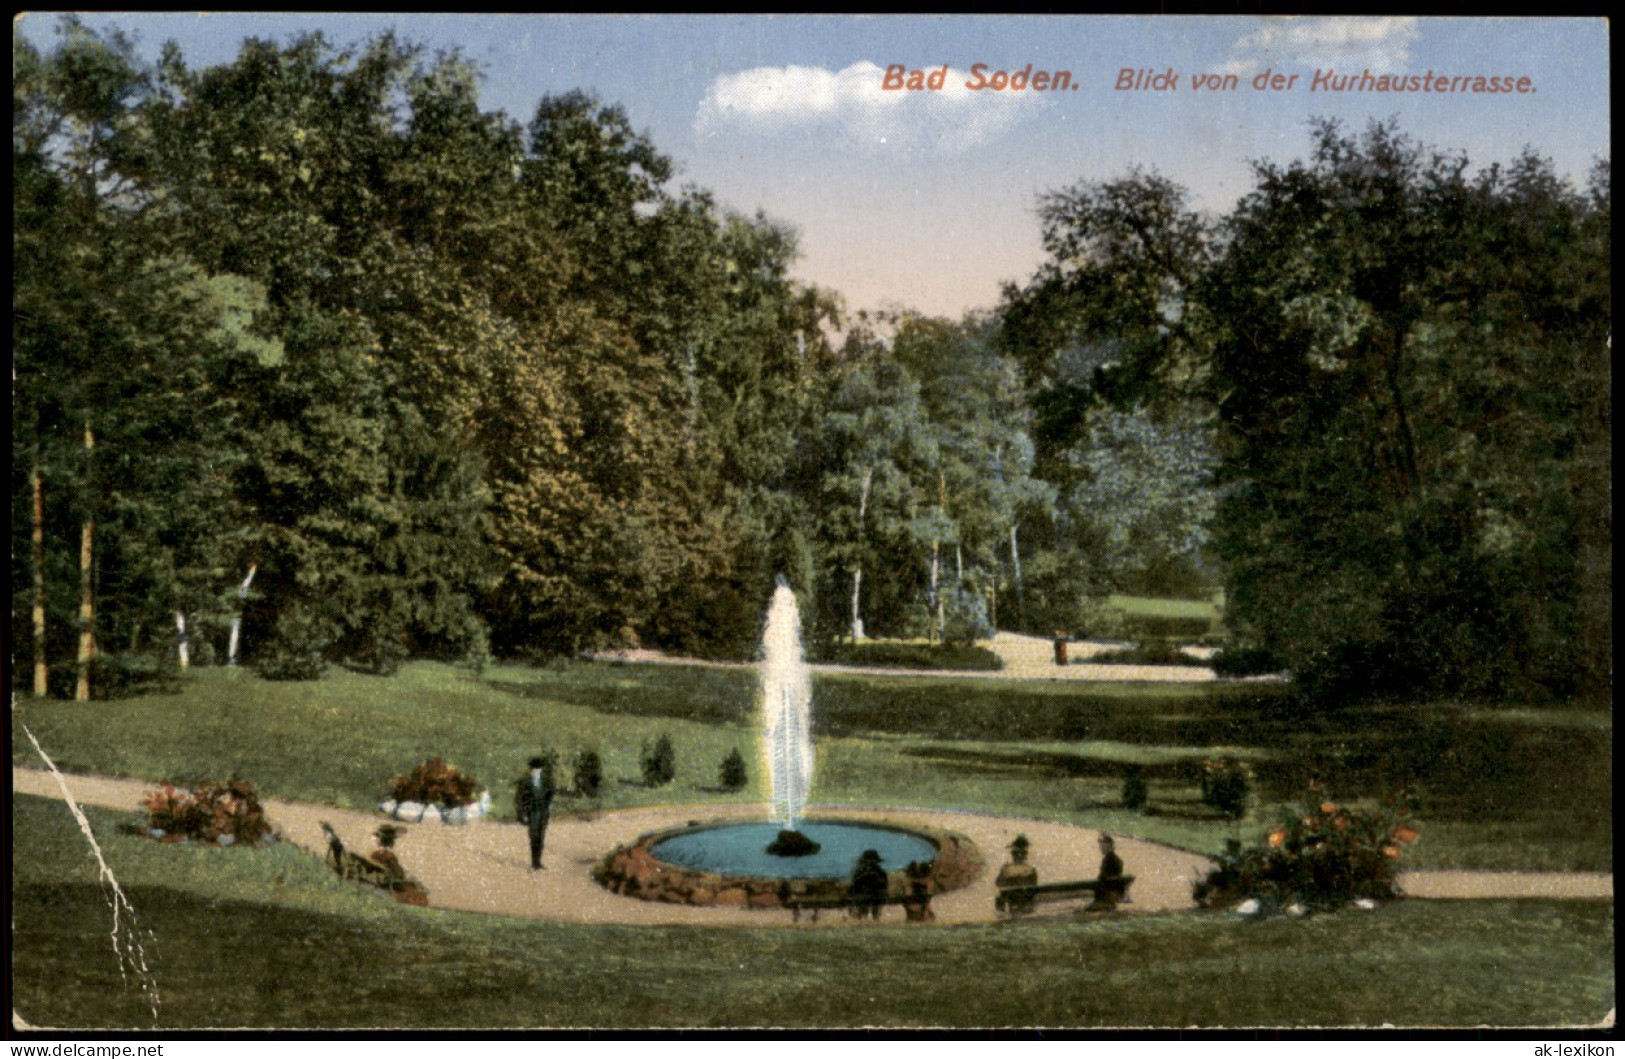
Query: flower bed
<point x="435" y="791"/>
<point x="1320" y="857"/>
<point x="222" y="814"/>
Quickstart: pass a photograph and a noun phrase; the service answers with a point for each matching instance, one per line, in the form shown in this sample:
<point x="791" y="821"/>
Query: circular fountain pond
<point x="741" y="849"/>
<point x="727" y="863"/>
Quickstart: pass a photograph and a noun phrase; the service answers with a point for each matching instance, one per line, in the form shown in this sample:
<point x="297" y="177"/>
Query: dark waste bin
<point x="1060" y="648"/>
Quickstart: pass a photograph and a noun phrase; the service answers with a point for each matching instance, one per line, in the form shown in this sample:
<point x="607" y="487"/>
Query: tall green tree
<point x="983" y="490"/>
<point x="755" y="353"/>
<point x="125" y="357"/>
<point x="872" y="452"/>
<point x="1404" y="357"/>
<point x="1110" y="314"/>
<point x="1113" y="340"/>
<point x="1146" y="488"/>
<point x="295" y="166"/>
<point x="1397" y="388"/>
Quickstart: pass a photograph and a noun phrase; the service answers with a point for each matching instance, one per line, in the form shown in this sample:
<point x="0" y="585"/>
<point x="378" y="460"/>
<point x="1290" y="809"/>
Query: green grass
<point x="1522" y="788"/>
<point x="1151" y="607"/>
<point x="269" y="938"/>
<point x="340" y="740"/>
<point x="1183" y="620"/>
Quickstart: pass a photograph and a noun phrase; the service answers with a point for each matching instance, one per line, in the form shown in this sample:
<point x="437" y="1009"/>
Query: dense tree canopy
<point x="1403" y="383"/>
<point x="437" y="378"/>
<point x="1406" y="359"/>
<point x="317" y="359"/>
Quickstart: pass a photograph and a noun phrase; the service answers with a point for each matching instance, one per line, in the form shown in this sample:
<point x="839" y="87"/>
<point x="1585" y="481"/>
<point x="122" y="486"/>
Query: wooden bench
<point x="798" y="903"/>
<point x="356" y="868"/>
<point x="1019" y="900"/>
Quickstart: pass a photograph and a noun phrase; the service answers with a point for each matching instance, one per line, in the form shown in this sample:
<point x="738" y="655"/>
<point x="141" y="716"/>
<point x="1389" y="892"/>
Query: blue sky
<point x="926" y="200"/>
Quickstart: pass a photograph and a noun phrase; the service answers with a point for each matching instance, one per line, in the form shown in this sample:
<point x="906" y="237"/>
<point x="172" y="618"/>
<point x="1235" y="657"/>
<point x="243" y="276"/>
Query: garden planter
<point x="422" y="813"/>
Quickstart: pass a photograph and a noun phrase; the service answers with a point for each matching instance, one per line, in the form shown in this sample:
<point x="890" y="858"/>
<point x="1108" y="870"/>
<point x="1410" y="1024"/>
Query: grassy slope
<point x="1524" y="788"/>
<point x="269" y="938"/>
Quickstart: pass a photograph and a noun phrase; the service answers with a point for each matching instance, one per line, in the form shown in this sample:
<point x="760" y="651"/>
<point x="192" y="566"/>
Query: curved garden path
<point x="1024" y="658"/>
<point x="484" y="867"/>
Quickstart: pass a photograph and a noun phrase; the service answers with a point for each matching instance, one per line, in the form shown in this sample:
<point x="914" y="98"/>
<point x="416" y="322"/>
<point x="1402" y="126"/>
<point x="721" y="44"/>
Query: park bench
<point x="799" y="903"/>
<point x="1019" y="900"/>
<point x="356" y="868"/>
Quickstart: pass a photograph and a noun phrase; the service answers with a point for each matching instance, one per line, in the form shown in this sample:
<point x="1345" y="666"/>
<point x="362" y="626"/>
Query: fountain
<point x="786" y="692"/>
<point x="759" y="863"/>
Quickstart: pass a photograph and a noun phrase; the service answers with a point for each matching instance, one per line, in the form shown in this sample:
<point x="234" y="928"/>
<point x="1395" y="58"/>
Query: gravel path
<point x="1024" y="657"/>
<point x="484" y="867"/>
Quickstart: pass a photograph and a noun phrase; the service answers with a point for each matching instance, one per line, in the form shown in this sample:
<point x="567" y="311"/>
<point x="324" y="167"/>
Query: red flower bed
<point x="435" y="783"/>
<point x="223" y="813"/>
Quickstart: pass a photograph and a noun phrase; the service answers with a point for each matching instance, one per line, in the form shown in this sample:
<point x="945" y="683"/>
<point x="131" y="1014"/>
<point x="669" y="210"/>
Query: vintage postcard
<point x="810" y="523"/>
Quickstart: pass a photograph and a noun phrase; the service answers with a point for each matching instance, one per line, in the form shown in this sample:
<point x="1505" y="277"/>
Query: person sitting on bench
<point x="1110" y="875"/>
<point x="384" y="856"/>
<point x="1018" y="873"/>
<point x="869" y="885"/>
<point x="920" y="885"/>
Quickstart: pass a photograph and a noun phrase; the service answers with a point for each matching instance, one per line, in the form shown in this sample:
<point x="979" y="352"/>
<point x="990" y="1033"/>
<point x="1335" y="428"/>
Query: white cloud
<point x="1353" y="43"/>
<point x="770" y="95"/>
<point x="769" y="99"/>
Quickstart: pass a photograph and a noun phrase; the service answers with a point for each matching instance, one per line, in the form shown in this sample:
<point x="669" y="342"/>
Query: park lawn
<point x="270" y="938"/>
<point x="1521" y="788"/>
<point x="340" y="740"/>
<point x="1156" y="607"/>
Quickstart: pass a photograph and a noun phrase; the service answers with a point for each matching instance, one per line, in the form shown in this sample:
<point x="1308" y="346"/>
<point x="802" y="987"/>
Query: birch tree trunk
<point x="237" y="619"/>
<point x="42" y="670"/>
<point x="936" y="596"/>
<point x="87" y="603"/>
<point x="1015" y="565"/>
<point x="182" y="647"/>
<point x="936" y="591"/>
<point x="857" y="568"/>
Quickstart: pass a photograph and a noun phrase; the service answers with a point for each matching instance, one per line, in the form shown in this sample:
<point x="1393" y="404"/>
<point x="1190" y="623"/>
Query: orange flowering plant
<point x="1320" y="855"/>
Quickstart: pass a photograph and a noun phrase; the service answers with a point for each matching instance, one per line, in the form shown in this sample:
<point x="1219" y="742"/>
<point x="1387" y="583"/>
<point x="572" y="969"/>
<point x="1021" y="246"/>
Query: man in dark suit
<point x="534" y="797"/>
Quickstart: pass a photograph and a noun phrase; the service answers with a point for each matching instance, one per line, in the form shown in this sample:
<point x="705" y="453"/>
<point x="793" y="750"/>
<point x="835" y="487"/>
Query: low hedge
<point x="1245" y="662"/>
<point x="1150" y="653"/>
<point x="909" y="656"/>
<point x="1162" y="627"/>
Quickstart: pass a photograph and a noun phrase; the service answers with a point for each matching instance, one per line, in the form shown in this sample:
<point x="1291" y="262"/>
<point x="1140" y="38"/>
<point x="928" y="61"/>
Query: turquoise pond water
<point x="741" y="849"/>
